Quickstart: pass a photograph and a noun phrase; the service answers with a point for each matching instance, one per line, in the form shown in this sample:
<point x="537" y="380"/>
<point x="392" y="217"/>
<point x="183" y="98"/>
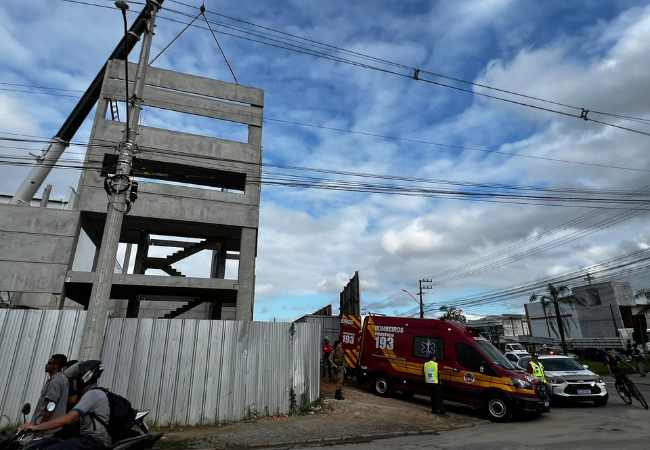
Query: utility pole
<point x="421" y="300"/>
<point x="93" y="335"/>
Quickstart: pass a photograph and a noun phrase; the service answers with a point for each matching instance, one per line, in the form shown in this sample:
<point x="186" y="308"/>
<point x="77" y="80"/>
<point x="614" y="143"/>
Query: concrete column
<point x="125" y="270"/>
<point x="46" y="196"/>
<point x="133" y="308"/>
<point x="246" y="275"/>
<point x="140" y="256"/>
<point x="218" y="269"/>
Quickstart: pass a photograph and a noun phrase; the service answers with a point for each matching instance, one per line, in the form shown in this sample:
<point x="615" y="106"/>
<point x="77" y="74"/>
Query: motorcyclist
<point x="93" y="403"/>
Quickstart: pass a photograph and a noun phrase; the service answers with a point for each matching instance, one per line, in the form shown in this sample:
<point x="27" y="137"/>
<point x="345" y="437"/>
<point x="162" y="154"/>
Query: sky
<point x="591" y="54"/>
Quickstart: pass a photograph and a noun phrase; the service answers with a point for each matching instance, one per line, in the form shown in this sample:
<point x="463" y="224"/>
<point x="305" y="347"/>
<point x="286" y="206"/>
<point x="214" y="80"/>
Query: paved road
<point x="579" y="426"/>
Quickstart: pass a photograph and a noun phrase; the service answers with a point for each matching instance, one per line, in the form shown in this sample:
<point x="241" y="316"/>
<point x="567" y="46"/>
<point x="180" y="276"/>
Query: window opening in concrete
<point x="593" y="297"/>
<point x="180" y="174"/>
<point x="197" y="125"/>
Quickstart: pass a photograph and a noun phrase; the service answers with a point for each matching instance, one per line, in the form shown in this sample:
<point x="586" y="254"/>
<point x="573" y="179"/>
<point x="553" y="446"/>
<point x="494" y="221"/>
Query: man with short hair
<point x="432" y="380"/>
<point x="54" y="395"/>
<point x="537" y="369"/>
<point x="92" y="411"/>
<point x="611" y="364"/>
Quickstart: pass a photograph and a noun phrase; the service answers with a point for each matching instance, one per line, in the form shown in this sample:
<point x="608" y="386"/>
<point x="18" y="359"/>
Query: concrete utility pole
<point x="93" y="335"/>
<point x="421" y="300"/>
<point x="51" y="153"/>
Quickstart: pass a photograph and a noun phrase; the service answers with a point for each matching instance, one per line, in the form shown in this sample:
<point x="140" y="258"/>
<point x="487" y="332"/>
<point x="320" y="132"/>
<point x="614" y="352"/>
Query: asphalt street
<point x="575" y="426"/>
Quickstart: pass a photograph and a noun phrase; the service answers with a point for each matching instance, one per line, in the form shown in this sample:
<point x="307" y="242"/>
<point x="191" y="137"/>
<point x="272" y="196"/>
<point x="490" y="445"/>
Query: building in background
<point x="610" y="311"/>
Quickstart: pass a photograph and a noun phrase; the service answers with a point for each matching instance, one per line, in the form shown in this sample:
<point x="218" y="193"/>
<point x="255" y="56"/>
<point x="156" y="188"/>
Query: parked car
<point x="523" y="362"/>
<point x="515" y="348"/>
<point x="599" y="354"/>
<point x="515" y="357"/>
<point x="571" y="381"/>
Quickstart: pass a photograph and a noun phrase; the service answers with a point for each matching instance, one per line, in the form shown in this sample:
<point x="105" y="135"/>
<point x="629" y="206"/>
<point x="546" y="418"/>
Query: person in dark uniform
<point x="337" y="359"/>
<point x="611" y="364"/>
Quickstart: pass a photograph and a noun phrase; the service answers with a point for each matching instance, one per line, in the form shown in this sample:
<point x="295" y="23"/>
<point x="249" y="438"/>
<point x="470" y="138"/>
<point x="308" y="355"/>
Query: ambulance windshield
<point x="494" y="354"/>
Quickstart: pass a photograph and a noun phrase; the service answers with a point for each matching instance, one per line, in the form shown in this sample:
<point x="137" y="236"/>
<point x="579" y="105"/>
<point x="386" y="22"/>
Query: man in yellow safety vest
<point x="432" y="380"/>
<point x="537" y="369"/>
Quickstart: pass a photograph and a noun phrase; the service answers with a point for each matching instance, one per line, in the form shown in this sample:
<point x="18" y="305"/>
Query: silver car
<point x="571" y="381"/>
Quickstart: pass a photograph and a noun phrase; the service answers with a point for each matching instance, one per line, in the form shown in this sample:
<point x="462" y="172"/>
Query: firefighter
<point x="432" y="379"/>
<point x="337" y="360"/>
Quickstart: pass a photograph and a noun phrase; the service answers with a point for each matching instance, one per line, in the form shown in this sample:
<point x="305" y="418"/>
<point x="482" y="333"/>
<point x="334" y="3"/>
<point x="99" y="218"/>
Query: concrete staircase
<point x="183" y="309"/>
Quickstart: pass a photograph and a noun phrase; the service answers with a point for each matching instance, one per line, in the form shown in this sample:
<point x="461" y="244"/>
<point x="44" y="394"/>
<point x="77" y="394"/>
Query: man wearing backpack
<point x="91" y="411"/>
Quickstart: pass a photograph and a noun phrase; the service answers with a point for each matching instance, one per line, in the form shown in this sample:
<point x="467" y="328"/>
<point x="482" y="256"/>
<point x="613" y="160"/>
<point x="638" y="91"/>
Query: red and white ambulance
<point x="472" y="371"/>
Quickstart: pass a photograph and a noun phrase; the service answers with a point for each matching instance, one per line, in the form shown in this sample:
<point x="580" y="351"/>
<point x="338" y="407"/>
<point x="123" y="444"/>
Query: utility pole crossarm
<point x="421" y="293"/>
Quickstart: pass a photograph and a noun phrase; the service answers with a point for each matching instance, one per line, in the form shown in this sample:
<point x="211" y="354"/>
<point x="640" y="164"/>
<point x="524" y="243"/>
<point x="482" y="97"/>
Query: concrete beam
<point x="190" y="104"/>
<point x="193" y="84"/>
<point x="166" y="202"/>
<point x="193" y="149"/>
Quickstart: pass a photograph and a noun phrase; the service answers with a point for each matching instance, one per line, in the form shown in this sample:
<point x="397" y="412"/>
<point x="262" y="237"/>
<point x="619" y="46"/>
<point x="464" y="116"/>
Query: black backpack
<point x="121" y="418"/>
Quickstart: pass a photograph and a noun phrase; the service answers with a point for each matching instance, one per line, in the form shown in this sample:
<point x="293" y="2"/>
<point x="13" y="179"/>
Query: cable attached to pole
<point x="174" y="40"/>
<point x="217" y="41"/>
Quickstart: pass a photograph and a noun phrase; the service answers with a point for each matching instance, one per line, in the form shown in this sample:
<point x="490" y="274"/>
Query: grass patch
<point x="599" y="368"/>
<point x="178" y="443"/>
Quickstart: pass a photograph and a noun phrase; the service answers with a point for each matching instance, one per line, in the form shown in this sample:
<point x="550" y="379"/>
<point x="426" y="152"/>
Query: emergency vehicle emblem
<point x="428" y="347"/>
<point x="469" y="377"/>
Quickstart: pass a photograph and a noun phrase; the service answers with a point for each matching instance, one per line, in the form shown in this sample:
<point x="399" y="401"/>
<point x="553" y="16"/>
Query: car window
<point x="518" y="347"/>
<point x="422" y="345"/>
<point x="560" y="364"/>
<point x="512" y="358"/>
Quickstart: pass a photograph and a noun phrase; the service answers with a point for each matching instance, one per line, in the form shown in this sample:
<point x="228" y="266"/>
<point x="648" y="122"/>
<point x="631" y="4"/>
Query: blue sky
<point x="588" y="53"/>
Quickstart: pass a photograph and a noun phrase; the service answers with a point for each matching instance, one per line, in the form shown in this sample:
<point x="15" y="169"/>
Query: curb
<point x="356" y="439"/>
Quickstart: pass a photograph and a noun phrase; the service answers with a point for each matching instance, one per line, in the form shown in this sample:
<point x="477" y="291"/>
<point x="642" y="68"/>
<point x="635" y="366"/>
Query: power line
<point x="414" y="76"/>
<point x="367" y="134"/>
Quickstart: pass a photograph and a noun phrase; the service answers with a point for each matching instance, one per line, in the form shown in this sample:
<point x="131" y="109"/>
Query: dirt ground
<point x="362" y="416"/>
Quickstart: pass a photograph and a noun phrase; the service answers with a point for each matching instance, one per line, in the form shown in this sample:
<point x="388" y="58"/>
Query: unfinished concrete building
<point x="196" y="193"/>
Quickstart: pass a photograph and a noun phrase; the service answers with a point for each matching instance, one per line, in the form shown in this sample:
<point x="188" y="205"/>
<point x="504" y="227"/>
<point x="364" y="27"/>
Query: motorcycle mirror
<point x="141" y="414"/>
<point x="26" y="408"/>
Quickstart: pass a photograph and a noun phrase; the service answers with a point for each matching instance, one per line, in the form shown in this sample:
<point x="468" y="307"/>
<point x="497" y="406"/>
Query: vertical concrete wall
<point x="604" y="319"/>
<point x="540" y="322"/>
<point x="36" y="249"/>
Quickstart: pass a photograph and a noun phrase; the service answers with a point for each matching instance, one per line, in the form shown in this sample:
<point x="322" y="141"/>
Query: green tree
<point x="556" y="300"/>
<point x="452" y="313"/>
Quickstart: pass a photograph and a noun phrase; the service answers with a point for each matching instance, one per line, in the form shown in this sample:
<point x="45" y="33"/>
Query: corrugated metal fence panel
<point x="201" y="372"/>
<point x="184" y="371"/>
<point x="27" y="339"/>
<point x="306" y="365"/>
<point x="330" y="325"/>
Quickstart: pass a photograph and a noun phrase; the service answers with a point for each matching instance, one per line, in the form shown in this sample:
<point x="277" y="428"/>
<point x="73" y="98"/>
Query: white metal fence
<point x="186" y="372"/>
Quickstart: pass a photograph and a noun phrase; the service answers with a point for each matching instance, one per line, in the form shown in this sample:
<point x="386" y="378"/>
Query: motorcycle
<point x="136" y="442"/>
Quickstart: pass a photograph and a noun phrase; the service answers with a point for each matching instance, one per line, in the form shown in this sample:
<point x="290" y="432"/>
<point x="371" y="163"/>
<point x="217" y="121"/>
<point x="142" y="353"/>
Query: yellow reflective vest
<point x="538" y="371"/>
<point x="431" y="372"/>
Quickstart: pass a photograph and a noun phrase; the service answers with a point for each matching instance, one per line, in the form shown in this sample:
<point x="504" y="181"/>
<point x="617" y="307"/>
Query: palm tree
<point x="452" y="313"/>
<point x="557" y="299"/>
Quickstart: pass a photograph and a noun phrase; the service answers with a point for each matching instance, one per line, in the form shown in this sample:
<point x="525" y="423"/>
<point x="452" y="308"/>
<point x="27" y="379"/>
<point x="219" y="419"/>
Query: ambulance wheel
<point x="382" y="385"/>
<point x="498" y="408"/>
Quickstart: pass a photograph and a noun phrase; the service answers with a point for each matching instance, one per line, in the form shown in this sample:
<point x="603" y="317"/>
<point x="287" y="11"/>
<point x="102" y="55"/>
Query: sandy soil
<point x="362" y="415"/>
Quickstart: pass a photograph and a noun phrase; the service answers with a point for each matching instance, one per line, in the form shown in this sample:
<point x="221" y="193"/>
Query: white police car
<point x="571" y="381"/>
